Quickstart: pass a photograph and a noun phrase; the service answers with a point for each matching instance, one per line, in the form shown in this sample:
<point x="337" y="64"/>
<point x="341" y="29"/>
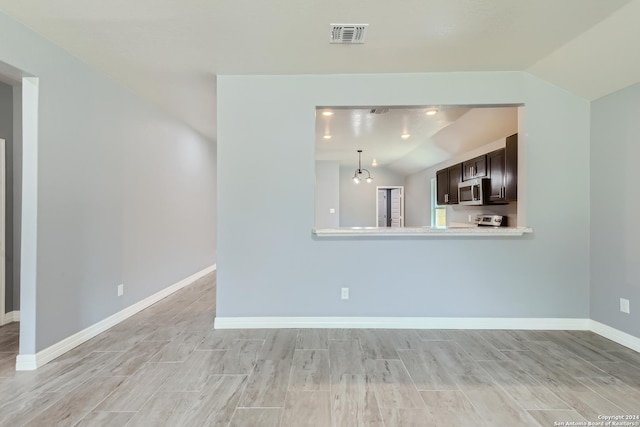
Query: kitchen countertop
<point x="421" y="231"/>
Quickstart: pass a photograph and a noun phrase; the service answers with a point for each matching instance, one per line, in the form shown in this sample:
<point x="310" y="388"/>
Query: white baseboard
<point x="615" y="335"/>
<point x="401" y="323"/>
<point x="12" y="316"/>
<point x="29" y="362"/>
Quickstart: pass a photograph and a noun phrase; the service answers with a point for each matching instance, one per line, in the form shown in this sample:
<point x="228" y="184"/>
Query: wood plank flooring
<point x="166" y="366"/>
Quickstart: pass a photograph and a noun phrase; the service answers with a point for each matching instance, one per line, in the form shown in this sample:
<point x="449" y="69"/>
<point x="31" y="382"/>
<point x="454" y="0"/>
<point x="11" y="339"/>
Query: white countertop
<point x="421" y="231"/>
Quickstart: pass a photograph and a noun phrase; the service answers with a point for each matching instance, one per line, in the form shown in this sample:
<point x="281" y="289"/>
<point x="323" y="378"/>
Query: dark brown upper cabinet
<point x="447" y="184"/>
<point x="474" y="168"/>
<point x="502" y="166"/>
<point x="495" y="166"/>
<point x="511" y="168"/>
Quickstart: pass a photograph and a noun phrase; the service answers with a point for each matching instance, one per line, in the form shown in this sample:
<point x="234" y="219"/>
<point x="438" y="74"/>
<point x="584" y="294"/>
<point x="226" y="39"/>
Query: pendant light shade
<point x="357" y="175"/>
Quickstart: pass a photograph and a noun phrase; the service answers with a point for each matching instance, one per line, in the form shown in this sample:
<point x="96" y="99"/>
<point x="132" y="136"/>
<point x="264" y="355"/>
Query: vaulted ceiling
<point x="172" y="50"/>
<point x="407" y="139"/>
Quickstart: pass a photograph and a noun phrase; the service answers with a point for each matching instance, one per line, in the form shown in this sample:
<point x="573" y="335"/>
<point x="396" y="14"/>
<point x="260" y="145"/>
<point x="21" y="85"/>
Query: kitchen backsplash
<point x="460" y="213"/>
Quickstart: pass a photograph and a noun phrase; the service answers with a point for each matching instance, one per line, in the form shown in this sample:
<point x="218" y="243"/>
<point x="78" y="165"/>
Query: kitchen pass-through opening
<point x="363" y="152"/>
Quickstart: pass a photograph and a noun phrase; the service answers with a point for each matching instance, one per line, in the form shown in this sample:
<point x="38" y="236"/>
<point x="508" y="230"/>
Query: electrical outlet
<point x="332" y="210"/>
<point x="624" y="305"/>
<point x="121" y="289"/>
<point x="344" y="294"/>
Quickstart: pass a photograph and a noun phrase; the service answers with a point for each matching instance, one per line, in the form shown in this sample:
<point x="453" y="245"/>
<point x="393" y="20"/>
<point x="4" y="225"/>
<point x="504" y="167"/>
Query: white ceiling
<point x="429" y="140"/>
<point x="171" y="50"/>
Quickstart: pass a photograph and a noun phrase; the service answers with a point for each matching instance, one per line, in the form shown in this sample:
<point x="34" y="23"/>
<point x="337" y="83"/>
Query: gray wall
<point x="542" y="275"/>
<point x="418" y="198"/>
<point x="358" y="201"/>
<point x="615" y="271"/>
<point x="125" y="194"/>
<point x="327" y="193"/>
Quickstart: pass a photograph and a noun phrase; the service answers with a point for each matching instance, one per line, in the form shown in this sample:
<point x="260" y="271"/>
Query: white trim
<point x="401" y="323"/>
<point x="615" y="335"/>
<point x="29" y="215"/>
<point x="12" y="316"/>
<point x="28" y="362"/>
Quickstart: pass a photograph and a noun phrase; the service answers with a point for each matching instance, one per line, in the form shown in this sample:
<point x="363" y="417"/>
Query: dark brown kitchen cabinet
<point x="496" y="166"/>
<point x="502" y="167"/>
<point x="511" y="169"/>
<point x="442" y="185"/>
<point x="455" y="176"/>
<point x="474" y="168"/>
<point x="447" y="184"/>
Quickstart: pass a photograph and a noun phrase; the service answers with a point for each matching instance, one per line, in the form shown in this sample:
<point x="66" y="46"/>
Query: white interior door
<point x="396" y="207"/>
<point x="382" y="208"/>
<point x="390" y="206"/>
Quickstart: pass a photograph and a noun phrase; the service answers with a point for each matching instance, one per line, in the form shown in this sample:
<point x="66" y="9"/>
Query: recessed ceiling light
<point x="431" y="112"/>
<point x="405" y="135"/>
<point x="327" y="137"/>
<point x="327" y="113"/>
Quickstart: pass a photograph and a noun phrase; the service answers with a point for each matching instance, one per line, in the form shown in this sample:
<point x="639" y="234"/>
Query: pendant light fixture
<point x="357" y="175"/>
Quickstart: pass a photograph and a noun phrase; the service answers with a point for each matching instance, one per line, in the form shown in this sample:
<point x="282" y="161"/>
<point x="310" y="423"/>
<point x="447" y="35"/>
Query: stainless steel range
<point x="491" y="220"/>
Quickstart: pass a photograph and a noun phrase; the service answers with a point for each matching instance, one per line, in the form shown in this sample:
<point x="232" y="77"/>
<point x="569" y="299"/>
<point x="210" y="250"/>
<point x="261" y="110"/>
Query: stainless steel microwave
<point x="473" y="191"/>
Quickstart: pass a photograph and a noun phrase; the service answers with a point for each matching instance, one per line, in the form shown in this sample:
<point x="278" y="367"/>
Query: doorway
<point x="10" y="149"/>
<point x="390" y="206"/>
<point x="19" y="299"/>
<point x="3" y="258"/>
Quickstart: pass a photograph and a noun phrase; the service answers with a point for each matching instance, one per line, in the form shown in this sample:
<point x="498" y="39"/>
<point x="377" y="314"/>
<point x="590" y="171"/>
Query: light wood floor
<point x="166" y="366"/>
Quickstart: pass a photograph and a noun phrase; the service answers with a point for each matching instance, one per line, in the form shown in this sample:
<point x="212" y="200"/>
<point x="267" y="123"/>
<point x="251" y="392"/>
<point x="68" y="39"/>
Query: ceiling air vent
<point x="379" y="110"/>
<point x="348" y="33"/>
